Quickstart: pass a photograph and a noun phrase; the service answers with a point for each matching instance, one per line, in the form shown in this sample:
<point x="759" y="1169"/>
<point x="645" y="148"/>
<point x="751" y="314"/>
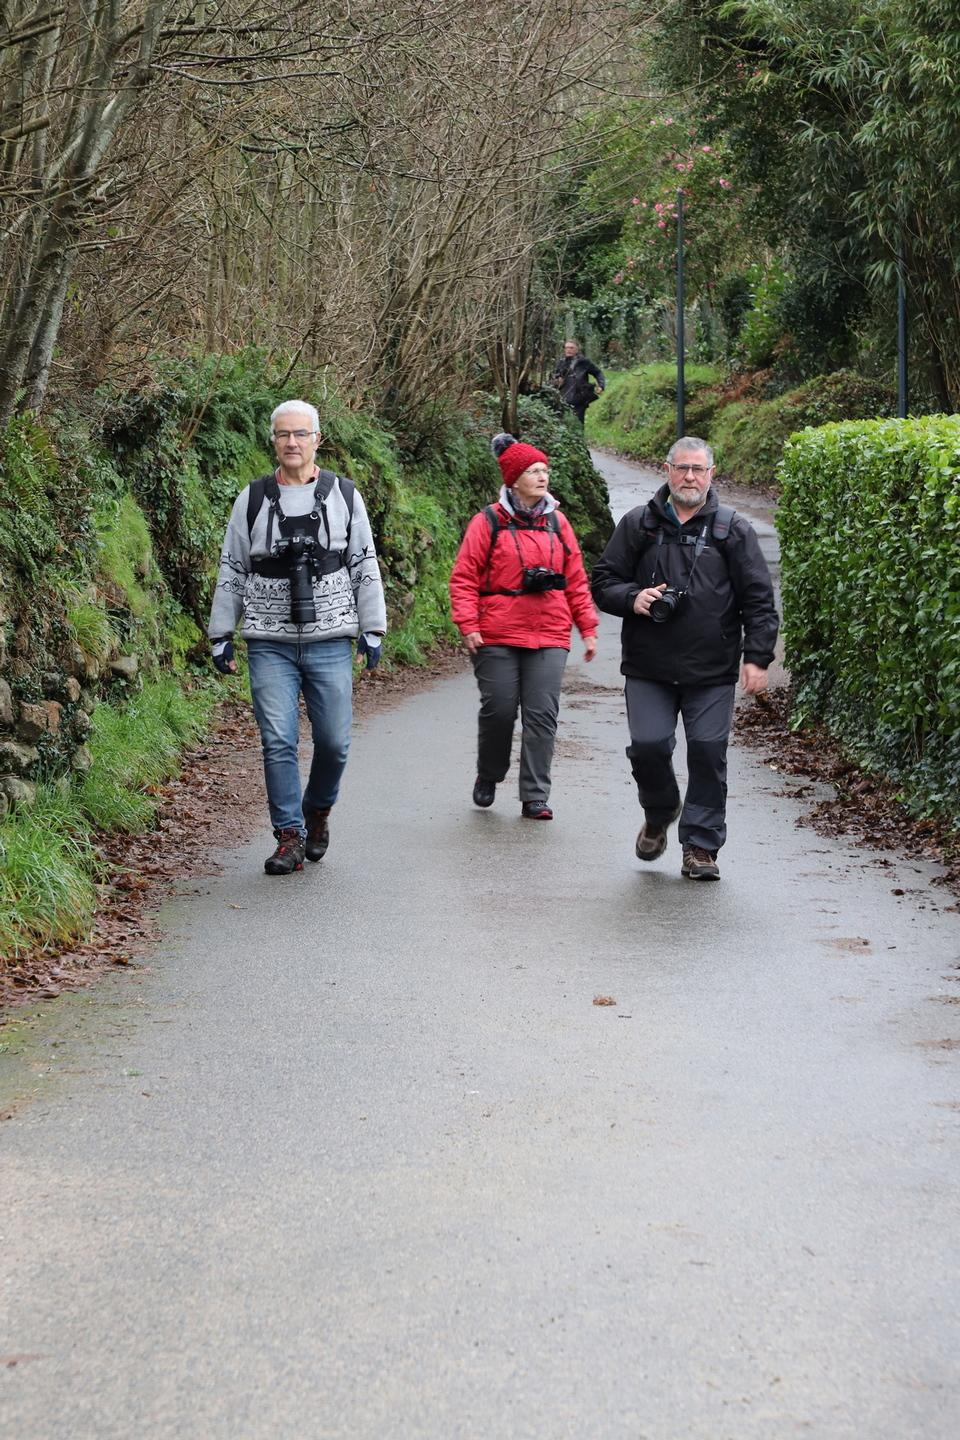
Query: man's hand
<point x="222" y="651"/>
<point x="473" y="641"/>
<point x="641" y="605"/>
<point x="752" y="679"/>
<point x="589" y="647"/>
<point x="370" y="646"/>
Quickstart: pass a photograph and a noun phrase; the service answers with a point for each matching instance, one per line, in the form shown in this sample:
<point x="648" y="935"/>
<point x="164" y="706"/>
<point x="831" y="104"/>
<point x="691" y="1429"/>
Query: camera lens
<point x="664" y="606"/>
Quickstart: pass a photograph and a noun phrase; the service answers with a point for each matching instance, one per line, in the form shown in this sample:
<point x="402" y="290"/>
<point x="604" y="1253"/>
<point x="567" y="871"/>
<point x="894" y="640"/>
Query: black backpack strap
<point x="256" y="495"/>
<point x="490" y="515"/>
<point x="266" y="488"/>
<point x="348" y="490"/>
<point x="722" y="520"/>
<point x="553" y="523"/>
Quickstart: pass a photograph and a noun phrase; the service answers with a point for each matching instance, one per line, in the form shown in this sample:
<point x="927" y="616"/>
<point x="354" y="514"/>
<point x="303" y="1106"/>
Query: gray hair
<point x="295" y="405"/>
<point x="689" y="442"/>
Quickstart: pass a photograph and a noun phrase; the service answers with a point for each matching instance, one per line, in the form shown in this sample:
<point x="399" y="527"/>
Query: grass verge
<point x="48" y="858"/>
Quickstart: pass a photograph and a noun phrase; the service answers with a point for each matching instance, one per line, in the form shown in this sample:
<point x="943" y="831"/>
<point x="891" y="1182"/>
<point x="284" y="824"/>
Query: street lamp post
<point x="902" y="377"/>
<point x="680" y="335"/>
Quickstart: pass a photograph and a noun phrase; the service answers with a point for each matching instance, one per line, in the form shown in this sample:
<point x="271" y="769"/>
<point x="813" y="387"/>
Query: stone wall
<point x="48" y="691"/>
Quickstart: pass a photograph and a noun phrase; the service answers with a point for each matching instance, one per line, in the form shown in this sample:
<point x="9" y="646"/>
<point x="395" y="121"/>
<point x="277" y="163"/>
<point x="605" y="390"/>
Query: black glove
<point x="369" y="645"/>
<point x="223" y="654"/>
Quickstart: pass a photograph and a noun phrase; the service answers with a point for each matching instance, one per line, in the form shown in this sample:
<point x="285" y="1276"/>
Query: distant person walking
<point x="689" y="578"/>
<point x="572" y="378"/>
<point x="518" y="586"/>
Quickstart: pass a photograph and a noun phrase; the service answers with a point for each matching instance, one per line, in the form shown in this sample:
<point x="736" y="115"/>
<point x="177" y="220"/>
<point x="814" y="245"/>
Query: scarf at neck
<point x="527" y="512"/>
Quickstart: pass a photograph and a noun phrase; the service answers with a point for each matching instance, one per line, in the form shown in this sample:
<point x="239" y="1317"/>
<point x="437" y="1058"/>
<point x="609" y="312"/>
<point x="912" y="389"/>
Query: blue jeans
<point x="323" y="670"/>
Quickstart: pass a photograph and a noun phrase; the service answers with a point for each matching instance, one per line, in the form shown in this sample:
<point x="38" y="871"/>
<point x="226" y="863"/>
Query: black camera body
<point x="298" y="550"/>
<point x="666" y="605"/>
<point x="537" y="578"/>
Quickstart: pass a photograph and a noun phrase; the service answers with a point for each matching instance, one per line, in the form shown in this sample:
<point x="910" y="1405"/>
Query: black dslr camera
<point x="666" y="605"/>
<point x="298" y="551"/>
<point x="540" y="577"/>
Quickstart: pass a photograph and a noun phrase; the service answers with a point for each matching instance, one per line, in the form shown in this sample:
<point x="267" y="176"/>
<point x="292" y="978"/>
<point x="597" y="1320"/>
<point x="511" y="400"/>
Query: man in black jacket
<point x="691" y="583"/>
<point x="572" y="378"/>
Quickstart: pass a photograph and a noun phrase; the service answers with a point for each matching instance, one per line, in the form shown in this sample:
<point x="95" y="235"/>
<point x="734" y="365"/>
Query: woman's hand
<point x="589" y="647"/>
<point x="473" y="641"/>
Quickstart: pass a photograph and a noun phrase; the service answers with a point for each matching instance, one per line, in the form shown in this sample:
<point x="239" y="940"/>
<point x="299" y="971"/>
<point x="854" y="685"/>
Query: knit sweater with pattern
<point x="348" y="601"/>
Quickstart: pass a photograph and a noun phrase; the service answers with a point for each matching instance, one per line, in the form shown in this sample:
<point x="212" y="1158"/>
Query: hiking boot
<point x="652" y="840"/>
<point x="699" y="864"/>
<point x="318" y="832"/>
<point x="484" y="792"/>
<point x="288" y="855"/>
<point x="536" y="810"/>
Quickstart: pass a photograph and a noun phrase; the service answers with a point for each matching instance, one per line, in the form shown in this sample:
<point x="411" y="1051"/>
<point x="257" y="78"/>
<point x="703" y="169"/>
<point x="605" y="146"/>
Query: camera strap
<point x="267" y="488"/>
<point x="552" y="527"/>
<point x="698" y="542"/>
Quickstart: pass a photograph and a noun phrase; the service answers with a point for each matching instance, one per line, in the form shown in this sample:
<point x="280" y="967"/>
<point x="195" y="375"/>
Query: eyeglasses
<point x="282" y="435"/>
<point x="694" y="469"/>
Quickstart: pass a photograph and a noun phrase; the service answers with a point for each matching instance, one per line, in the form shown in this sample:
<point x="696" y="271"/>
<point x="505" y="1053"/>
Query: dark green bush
<point x="748" y="436"/>
<point x="869" y="523"/>
<point x="187" y="444"/>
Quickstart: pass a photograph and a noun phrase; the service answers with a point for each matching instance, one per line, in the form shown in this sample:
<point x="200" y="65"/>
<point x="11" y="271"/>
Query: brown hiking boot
<point x="318" y="832"/>
<point x="652" y="840"/>
<point x="699" y="864"/>
<point x="288" y="855"/>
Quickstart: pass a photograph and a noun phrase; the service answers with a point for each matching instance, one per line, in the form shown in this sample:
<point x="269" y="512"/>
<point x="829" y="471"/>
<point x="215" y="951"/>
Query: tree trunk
<point x="37" y="374"/>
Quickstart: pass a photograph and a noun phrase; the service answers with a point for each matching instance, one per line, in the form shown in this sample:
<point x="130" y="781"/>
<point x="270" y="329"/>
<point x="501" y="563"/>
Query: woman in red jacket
<point x="517" y="587"/>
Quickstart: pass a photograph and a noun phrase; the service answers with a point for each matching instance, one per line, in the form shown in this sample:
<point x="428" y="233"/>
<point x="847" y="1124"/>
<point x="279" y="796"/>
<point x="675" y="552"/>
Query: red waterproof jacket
<point x="533" y="621"/>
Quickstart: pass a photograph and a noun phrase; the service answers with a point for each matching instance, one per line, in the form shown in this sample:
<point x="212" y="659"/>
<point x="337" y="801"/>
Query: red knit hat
<point x="514" y="456"/>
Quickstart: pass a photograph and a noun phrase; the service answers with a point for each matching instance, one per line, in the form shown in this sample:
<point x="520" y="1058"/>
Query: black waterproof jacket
<point x="572" y="377"/>
<point x="728" y="610"/>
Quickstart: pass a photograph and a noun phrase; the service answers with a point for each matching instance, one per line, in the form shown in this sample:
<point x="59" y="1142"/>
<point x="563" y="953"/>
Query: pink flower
<point x="618" y="277"/>
<point x="725" y="183"/>
<point x="661" y="224"/>
<point x="707" y="149"/>
<point x="635" y="200"/>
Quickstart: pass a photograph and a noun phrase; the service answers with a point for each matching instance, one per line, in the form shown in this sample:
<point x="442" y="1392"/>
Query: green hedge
<point x="869" y="522"/>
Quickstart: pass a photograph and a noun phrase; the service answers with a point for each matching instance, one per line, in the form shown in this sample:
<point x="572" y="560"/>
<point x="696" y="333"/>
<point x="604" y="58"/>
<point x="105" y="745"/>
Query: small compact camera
<point x="666" y="605"/>
<point x="540" y="577"/>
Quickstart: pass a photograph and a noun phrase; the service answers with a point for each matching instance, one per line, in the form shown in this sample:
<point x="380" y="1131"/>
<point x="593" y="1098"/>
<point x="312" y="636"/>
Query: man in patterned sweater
<point x="299" y="566"/>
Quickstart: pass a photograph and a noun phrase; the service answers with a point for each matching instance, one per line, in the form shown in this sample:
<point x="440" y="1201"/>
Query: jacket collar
<point x="659" y="502"/>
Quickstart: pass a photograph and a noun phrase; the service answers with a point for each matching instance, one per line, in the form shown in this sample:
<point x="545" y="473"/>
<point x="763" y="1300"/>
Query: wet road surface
<point x="355" y="1154"/>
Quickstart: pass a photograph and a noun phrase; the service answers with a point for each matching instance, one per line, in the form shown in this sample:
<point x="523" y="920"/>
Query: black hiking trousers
<point x="653" y="711"/>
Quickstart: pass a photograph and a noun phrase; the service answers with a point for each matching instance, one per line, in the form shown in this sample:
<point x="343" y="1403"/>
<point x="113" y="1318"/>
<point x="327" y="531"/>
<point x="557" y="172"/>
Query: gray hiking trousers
<point x="511" y="677"/>
<point x="653" y="711"/>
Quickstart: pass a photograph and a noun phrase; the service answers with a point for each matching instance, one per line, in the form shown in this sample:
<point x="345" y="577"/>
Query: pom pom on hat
<point x="514" y="456"/>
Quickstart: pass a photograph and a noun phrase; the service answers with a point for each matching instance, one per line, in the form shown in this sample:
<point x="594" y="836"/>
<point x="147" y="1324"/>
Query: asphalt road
<point x="357" y="1155"/>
